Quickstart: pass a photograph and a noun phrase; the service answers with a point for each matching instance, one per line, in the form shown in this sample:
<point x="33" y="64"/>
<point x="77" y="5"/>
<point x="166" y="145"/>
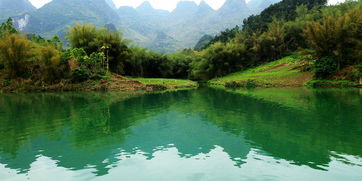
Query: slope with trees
<point x="327" y="40"/>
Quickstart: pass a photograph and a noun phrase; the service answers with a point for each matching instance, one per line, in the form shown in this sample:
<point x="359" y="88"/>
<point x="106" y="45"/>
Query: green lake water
<point x="203" y="134"/>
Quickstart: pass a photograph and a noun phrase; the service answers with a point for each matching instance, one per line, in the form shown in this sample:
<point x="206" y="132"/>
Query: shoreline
<point x="310" y="84"/>
<point x="114" y="83"/>
<point x="106" y="86"/>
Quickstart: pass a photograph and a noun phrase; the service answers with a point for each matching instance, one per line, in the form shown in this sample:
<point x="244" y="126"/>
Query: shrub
<point x="80" y="74"/>
<point x="324" y="67"/>
<point x="233" y="84"/>
<point x="331" y="83"/>
<point x="352" y="73"/>
<point x="248" y="84"/>
<point x="87" y="67"/>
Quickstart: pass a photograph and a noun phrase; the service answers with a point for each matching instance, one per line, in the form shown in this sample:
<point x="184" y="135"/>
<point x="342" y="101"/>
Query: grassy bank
<point x="168" y="83"/>
<point x="286" y="72"/>
<point x="113" y="83"/>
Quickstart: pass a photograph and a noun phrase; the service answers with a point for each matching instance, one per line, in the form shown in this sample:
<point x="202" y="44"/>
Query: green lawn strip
<point x="170" y="83"/>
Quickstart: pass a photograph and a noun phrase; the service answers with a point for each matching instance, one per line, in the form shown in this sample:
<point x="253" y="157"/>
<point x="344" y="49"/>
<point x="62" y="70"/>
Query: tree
<point x="134" y="65"/>
<point x="218" y="60"/>
<point x="92" y="40"/>
<point x="16" y="51"/>
<point x="116" y="50"/>
<point x="336" y="36"/>
<point x="83" y="36"/>
<point x="275" y="37"/>
<point x="7" y="28"/>
<point x="49" y="61"/>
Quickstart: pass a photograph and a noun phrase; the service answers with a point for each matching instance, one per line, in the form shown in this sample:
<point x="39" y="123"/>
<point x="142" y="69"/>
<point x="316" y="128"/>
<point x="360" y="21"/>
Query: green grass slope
<point x="284" y="72"/>
<point x="168" y="83"/>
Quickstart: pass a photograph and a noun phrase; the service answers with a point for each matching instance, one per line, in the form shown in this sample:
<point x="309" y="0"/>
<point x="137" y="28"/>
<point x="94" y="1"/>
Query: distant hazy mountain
<point x="231" y="13"/>
<point x="111" y="4"/>
<point x="204" y="9"/>
<point x="234" y="7"/>
<point x="184" y="26"/>
<point x="10" y="8"/>
<point x="146" y="26"/>
<point x="52" y="18"/>
<point x="184" y="9"/>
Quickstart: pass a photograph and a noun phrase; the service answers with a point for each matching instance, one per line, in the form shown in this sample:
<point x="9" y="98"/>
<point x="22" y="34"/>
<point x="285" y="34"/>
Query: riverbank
<point x="286" y="72"/>
<point x="167" y="84"/>
<point x="113" y="83"/>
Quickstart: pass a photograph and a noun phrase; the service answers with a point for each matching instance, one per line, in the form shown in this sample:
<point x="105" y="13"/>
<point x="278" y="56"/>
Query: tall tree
<point x="16" y="51"/>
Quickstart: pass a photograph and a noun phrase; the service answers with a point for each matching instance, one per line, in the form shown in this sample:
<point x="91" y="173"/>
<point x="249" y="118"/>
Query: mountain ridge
<point x="159" y="30"/>
<point x="14" y="7"/>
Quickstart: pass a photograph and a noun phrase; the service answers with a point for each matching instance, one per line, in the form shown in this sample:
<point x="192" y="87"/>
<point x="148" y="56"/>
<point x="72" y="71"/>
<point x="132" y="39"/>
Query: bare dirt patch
<point x="275" y="67"/>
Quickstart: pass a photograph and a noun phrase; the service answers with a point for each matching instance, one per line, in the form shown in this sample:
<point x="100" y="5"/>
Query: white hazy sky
<point x="158" y="4"/>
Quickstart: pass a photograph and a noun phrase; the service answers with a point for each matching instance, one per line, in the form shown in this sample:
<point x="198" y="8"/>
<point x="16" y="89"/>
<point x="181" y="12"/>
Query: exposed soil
<point x="275" y="67"/>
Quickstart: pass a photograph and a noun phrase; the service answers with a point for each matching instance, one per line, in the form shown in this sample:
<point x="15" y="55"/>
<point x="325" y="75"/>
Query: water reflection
<point x="107" y="134"/>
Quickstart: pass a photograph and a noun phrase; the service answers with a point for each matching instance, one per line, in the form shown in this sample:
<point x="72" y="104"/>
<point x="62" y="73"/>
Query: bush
<point x="331" y="83"/>
<point x="81" y="74"/>
<point x="324" y="67"/>
<point x="248" y="84"/>
<point x="6" y="82"/>
<point x="233" y="84"/>
<point x="353" y="73"/>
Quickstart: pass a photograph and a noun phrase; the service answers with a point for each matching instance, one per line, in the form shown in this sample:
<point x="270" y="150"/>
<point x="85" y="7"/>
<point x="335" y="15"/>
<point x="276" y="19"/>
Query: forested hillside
<point x="328" y="38"/>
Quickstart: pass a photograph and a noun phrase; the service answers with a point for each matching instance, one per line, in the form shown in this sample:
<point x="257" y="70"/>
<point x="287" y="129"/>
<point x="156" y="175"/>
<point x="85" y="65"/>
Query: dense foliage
<point x="45" y="62"/>
<point x="91" y="39"/>
<point x="331" y="34"/>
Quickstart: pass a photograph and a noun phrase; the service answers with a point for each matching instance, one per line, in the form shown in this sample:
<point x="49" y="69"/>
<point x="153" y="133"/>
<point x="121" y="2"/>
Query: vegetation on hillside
<point x="284" y="72"/>
<point x="327" y="40"/>
<point x="329" y="35"/>
<point x="92" y="60"/>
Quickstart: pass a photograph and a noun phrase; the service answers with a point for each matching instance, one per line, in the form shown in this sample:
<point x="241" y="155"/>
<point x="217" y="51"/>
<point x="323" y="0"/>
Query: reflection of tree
<point x="85" y="129"/>
<point x="304" y="137"/>
<point x="26" y="118"/>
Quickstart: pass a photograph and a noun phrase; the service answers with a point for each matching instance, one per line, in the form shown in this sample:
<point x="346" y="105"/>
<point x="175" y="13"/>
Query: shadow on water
<point x="81" y="130"/>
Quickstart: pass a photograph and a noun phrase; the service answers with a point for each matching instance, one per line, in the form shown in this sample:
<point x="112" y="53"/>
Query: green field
<point x="169" y="83"/>
<point x="283" y="72"/>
